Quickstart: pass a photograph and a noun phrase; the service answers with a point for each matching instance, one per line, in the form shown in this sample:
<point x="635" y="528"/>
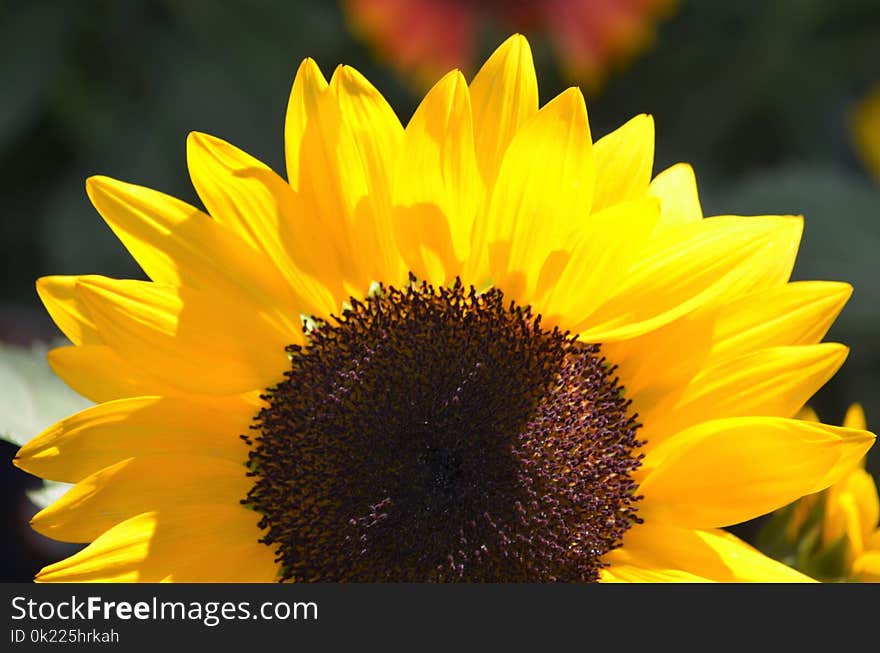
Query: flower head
<point x="426" y="38"/>
<point x="483" y="347"/>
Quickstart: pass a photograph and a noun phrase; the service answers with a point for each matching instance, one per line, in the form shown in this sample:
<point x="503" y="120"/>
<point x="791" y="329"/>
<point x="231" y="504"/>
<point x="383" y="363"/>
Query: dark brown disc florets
<point x="442" y="435"/>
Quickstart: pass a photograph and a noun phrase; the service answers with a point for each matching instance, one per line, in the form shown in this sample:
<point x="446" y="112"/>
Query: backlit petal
<point x="437" y="189"/>
<point x="712" y="555"/>
<point x="105" y="434"/>
<point x="504" y="95"/>
<point x="731" y="470"/>
<point x="624" y="161"/>
<point x="196" y="545"/>
<point x="543" y="194"/>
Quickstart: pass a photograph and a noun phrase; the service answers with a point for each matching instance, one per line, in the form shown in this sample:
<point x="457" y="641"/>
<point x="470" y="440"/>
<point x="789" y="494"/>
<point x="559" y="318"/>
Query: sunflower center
<point x="441" y="434"/>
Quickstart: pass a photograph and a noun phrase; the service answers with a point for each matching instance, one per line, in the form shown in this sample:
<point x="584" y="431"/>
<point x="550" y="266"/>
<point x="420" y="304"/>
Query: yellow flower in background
<point x="865" y="128"/>
<point x="834" y="534"/>
<point x="425" y="38"/>
<point x="482" y="347"/>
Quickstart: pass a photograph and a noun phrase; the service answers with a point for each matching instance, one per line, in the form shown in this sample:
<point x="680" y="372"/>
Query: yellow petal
<point x="504" y="95"/>
<point x="59" y="297"/>
<point x="676" y="188"/>
<point x="808" y="414"/>
<point x="196" y="545"/>
<point x="731" y="470"/>
<point x="624" y="161"/>
<point x="695" y="265"/>
<point x="606" y="246"/>
<point x="852" y="509"/>
<point x="243" y="194"/>
<point x="100" y="374"/>
<point x="712" y="555"/>
<point x="319" y="191"/>
<point x="842" y="521"/>
<point x="437" y="189"/>
<point x="798" y="313"/>
<point x="349" y="145"/>
<point x="774" y="382"/>
<point x="543" y="194"/>
<point x="137" y="484"/>
<point x="621" y="572"/>
<point x="369" y="142"/>
<point x="308" y="86"/>
<point x="866" y="567"/>
<point x="657" y="366"/>
<point x="105" y="434"/>
<point x="855" y="417"/>
<point x="177" y="244"/>
<point x="184" y="337"/>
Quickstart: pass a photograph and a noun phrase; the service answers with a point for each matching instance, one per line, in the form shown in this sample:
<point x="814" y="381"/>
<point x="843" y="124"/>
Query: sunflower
<point x="425" y="38"/>
<point x="834" y="534"/>
<point x="480" y="348"/>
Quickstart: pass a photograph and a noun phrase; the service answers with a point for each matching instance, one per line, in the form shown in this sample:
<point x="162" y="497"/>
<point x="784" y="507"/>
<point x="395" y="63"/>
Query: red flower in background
<point x="424" y="38"/>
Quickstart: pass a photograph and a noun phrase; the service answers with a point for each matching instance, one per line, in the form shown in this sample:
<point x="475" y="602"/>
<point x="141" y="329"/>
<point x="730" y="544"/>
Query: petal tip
<point x="308" y="65"/>
<point x="570" y="103"/>
<point x="102" y="186"/>
<point x="515" y="50"/>
<point x="197" y="138"/>
<point x="517" y="40"/>
<point x="309" y="76"/>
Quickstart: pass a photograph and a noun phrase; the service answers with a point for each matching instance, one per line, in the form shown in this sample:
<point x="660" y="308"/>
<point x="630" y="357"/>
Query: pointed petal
<point x="708" y="262"/>
<point x="638" y="572"/>
<point x="542" y="196"/>
<point x="504" y="95"/>
<point x="199" y="545"/>
<point x="810" y="415"/>
<point x="350" y="143"/>
<point x="852" y="510"/>
<point x="656" y="367"/>
<point x="308" y="85"/>
<point x="606" y="246"/>
<point x="676" y="188"/>
<point x="369" y="143"/>
<point x="624" y="161"/>
<point x="136" y="484"/>
<point x="177" y="244"/>
<point x="798" y="313"/>
<point x="771" y="382"/>
<point x="173" y="333"/>
<point x="727" y="471"/>
<point x="855" y="417"/>
<point x="105" y="434"/>
<point x="58" y="296"/>
<point x="243" y="194"/>
<point x="437" y="189"/>
<point x="100" y="374"/>
<point x="713" y="555"/>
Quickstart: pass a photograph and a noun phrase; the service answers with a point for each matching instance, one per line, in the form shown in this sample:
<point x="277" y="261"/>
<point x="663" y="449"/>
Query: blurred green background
<point x="755" y="95"/>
